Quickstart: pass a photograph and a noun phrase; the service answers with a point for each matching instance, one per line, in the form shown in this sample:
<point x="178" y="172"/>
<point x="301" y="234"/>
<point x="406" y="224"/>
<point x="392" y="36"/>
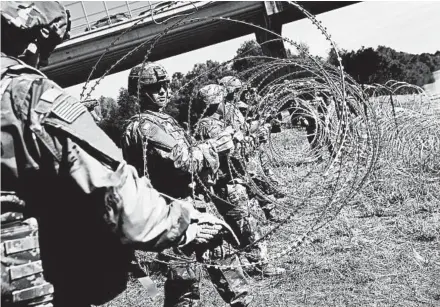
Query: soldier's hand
<point x="223" y="142"/>
<point x="263" y="133"/>
<point x="207" y="233"/>
<point x="209" y="229"/>
<point x="249" y="145"/>
<point x="238" y="136"/>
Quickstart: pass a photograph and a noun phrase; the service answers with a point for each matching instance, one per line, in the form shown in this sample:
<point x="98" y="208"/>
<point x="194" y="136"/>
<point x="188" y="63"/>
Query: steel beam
<point x="72" y="62"/>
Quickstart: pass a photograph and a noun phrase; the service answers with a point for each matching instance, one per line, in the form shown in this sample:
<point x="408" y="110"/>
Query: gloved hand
<point x="238" y="136"/>
<point x="223" y="142"/>
<point x="249" y="145"/>
<point x="207" y="232"/>
<point x="207" y="229"/>
<point x="263" y="133"/>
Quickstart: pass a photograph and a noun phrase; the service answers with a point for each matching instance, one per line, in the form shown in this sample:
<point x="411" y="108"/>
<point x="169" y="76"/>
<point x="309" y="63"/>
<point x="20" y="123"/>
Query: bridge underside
<point x="72" y="62"/>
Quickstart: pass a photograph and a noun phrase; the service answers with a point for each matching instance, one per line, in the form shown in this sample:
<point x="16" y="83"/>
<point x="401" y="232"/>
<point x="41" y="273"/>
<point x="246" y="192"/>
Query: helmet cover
<point x="212" y="94"/>
<point x="231" y="83"/>
<point x="150" y="73"/>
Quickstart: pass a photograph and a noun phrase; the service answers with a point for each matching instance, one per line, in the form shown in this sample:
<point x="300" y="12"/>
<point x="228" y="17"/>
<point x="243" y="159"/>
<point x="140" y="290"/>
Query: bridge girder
<point x="72" y="62"/>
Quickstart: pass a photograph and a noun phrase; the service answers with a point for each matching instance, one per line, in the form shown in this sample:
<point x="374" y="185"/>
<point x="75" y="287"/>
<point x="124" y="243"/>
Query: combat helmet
<point x="212" y="94"/>
<point x="150" y="73"/>
<point x="46" y="24"/>
<point x="231" y="83"/>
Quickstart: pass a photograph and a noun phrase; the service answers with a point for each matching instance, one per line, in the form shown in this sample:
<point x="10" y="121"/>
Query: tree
<point x="107" y="106"/>
<point x="367" y="65"/>
<point x="245" y="54"/>
<point x="115" y="120"/>
<point x="177" y="81"/>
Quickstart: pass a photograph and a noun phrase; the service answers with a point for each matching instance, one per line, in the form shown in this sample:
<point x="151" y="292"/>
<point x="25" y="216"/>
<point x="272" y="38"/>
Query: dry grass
<point x="382" y="249"/>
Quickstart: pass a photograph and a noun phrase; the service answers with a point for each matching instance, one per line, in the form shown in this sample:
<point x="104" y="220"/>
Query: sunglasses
<point x="156" y="87"/>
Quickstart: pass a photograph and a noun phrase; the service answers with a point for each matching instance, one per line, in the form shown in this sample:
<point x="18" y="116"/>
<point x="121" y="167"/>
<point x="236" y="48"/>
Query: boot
<point x="265" y="270"/>
<point x="272" y="215"/>
<point x="181" y="297"/>
<point x="269" y="270"/>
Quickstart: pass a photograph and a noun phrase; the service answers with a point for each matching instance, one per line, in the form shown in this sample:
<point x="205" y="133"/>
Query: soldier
<point x="316" y="134"/>
<point x="91" y="207"/>
<point x="233" y="86"/>
<point x="160" y="148"/>
<point x="233" y="204"/>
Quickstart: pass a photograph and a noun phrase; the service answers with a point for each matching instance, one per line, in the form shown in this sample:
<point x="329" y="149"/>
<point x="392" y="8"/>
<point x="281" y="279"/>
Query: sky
<point x="408" y="26"/>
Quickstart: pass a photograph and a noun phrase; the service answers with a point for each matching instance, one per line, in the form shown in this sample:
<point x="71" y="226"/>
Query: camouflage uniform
<point x="234" y="117"/>
<point x="21" y="268"/>
<point x="234" y="203"/>
<point x="315" y="132"/>
<point x="236" y="209"/>
<point x="91" y="207"/>
<point x="155" y="143"/>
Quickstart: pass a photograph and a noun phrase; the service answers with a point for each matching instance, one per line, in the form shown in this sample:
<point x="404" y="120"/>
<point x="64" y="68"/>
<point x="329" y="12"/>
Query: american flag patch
<point x="148" y="130"/>
<point x="69" y="109"/>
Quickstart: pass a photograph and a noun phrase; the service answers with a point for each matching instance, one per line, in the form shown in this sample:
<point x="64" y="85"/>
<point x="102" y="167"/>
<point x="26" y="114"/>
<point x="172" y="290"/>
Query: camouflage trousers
<point x="239" y="212"/>
<point x="267" y="184"/>
<point x="183" y="278"/>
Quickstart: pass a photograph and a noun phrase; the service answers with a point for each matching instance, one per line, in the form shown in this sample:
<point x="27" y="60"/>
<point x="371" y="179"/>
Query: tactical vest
<point x="171" y="127"/>
<point x="160" y="133"/>
<point x="167" y="123"/>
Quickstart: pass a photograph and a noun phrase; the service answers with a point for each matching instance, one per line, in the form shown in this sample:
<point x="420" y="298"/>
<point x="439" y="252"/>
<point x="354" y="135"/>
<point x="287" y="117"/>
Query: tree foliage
<point x="368" y="65"/>
<point x="117" y="114"/>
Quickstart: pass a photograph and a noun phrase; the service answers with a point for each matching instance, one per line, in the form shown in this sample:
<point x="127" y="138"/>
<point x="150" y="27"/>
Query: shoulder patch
<point x="148" y="129"/>
<point x="68" y="109"/>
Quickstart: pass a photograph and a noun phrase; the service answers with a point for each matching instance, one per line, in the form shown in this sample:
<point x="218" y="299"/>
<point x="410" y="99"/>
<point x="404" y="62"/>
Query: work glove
<point x="238" y="136"/>
<point x="223" y="142"/>
<point x="207" y="232"/>
<point x="249" y="145"/>
<point x="90" y="104"/>
<point x="263" y="133"/>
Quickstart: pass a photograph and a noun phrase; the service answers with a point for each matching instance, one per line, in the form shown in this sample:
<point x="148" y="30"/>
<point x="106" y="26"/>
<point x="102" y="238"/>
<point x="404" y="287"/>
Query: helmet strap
<point x="147" y="103"/>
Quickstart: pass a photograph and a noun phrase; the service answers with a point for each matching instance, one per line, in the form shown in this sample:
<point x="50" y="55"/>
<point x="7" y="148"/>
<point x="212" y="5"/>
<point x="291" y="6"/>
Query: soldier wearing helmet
<point x="153" y="82"/>
<point x="161" y="149"/>
<point x="90" y="207"/>
<point x="260" y="131"/>
<point x="234" y="202"/>
<point x="231" y="84"/>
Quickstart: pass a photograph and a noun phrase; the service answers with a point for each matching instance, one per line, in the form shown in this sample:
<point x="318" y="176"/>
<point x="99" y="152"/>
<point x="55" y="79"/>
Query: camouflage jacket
<point x="233" y="117"/>
<point x="155" y="143"/>
<point x="90" y="205"/>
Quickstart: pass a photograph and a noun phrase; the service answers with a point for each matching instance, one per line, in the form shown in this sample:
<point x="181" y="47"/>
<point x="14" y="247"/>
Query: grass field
<point x="381" y="249"/>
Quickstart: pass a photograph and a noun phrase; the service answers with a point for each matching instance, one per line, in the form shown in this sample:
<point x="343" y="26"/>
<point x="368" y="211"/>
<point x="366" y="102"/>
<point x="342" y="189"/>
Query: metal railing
<point x="87" y="16"/>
